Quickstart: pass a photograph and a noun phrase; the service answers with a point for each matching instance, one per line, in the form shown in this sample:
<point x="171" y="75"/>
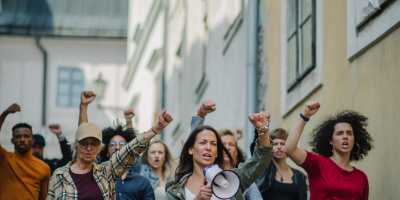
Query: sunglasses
<point x="114" y="144"/>
<point x="84" y="144"/>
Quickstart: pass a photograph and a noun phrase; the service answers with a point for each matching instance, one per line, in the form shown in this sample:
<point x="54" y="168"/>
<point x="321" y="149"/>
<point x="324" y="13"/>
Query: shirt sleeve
<point x="124" y="158"/>
<point x="44" y="183"/>
<point x="66" y="152"/>
<point x="311" y="163"/>
<point x="365" y="194"/>
<point x="196" y="121"/>
<point x="251" y="170"/>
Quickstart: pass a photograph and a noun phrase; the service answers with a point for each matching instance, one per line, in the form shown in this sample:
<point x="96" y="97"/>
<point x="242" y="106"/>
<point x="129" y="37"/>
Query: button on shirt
<point x="134" y="186"/>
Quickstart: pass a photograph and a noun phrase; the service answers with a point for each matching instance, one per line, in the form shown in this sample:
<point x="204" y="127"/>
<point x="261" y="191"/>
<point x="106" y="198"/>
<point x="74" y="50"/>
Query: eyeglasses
<point x="114" y="144"/>
<point x="85" y="145"/>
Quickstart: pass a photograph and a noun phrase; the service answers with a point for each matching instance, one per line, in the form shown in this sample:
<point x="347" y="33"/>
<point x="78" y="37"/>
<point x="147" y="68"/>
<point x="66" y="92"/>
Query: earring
<point x="358" y="149"/>
<point x="333" y="147"/>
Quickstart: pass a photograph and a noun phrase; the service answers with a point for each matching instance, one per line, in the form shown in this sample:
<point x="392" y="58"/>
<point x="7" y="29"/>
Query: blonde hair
<point x="169" y="164"/>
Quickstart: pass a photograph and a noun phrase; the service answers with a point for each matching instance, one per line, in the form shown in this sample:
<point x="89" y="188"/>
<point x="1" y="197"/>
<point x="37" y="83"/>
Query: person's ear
<point x="330" y="142"/>
<point x="191" y="151"/>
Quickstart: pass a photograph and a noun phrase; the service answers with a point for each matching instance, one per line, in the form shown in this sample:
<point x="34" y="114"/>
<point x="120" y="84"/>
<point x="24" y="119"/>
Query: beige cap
<point x="86" y="130"/>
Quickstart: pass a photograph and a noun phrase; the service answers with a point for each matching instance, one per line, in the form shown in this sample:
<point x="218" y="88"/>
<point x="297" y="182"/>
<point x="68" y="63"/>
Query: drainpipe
<point x="165" y="52"/>
<point x="44" y="52"/>
<point x="251" y="70"/>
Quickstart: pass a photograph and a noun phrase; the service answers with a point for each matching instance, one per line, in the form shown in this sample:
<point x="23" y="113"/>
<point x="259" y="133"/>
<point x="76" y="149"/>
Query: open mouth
<point x="207" y="156"/>
<point x="345" y="144"/>
<point x="279" y="153"/>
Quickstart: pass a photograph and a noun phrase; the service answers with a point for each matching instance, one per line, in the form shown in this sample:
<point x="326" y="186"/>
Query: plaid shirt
<point x="106" y="174"/>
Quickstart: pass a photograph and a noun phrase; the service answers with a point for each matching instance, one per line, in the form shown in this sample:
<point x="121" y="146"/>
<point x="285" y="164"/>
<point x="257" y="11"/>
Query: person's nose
<point x="345" y="136"/>
<point x="118" y="147"/>
<point x="227" y="147"/>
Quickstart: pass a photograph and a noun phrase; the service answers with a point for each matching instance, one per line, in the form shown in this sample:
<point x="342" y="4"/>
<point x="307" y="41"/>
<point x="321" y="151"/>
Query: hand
<point x="87" y="97"/>
<point x="205" y="193"/>
<point x="13" y="109"/>
<point x="55" y="128"/>
<point x="129" y="113"/>
<point x="207" y="106"/>
<point x="259" y="119"/>
<point x="311" y="108"/>
<point x="163" y="120"/>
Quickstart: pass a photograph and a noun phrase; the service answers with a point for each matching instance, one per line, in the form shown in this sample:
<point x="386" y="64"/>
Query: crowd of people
<point x="120" y="163"/>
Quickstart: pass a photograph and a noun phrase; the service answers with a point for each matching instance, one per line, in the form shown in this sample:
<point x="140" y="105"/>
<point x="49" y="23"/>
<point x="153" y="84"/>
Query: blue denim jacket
<point x="145" y="171"/>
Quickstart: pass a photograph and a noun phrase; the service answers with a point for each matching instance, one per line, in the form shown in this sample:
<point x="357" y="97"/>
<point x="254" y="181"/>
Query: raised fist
<point x="311" y="108"/>
<point x="259" y="119"/>
<point x="87" y="97"/>
<point x="55" y="128"/>
<point x="129" y="113"/>
<point x="13" y="109"/>
<point x="207" y="106"/>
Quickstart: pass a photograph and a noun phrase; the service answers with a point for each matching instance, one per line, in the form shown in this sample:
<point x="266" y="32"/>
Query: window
<point x="301" y="51"/>
<point x="300" y="40"/>
<point x="369" y="21"/>
<point x="70" y="86"/>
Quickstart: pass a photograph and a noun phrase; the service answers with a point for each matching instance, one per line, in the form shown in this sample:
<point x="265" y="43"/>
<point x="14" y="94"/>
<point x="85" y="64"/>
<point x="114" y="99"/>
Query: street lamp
<point x="100" y="87"/>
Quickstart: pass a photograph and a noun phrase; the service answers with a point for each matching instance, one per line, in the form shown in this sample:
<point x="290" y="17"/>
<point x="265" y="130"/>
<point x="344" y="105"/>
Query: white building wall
<point x="21" y="72"/>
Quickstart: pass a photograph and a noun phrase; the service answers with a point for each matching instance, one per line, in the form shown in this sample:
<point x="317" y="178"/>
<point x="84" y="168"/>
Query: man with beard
<point x="25" y="177"/>
<point x="40" y="143"/>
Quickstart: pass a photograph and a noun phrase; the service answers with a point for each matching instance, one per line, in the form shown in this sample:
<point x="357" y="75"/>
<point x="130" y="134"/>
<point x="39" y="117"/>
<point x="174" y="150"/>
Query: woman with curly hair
<point x="131" y="185"/>
<point x="336" y="142"/>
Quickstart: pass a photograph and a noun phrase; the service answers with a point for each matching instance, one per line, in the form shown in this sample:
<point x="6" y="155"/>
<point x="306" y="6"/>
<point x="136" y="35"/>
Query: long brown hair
<point x="186" y="160"/>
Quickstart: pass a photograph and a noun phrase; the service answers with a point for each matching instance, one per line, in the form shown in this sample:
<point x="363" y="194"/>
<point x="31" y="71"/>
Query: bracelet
<point x="202" y="115"/>
<point x="61" y="137"/>
<point x="128" y="120"/>
<point x="262" y="128"/>
<point x="304" y="117"/>
<point x="155" y="131"/>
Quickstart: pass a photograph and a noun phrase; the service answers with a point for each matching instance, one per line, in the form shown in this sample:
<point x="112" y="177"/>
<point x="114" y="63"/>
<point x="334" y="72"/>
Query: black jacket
<point x="67" y="156"/>
<point x="268" y="176"/>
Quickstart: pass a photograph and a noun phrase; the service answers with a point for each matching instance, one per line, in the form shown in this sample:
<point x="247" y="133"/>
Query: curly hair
<point x="322" y="134"/>
<point x="127" y="133"/>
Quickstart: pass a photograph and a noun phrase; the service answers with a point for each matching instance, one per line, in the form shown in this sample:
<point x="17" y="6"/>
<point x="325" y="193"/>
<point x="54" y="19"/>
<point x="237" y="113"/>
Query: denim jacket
<point x="145" y="171"/>
<point x="248" y="172"/>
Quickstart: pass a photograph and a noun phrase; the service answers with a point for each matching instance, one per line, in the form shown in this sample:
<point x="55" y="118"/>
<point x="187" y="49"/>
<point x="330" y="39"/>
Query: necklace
<point x="283" y="173"/>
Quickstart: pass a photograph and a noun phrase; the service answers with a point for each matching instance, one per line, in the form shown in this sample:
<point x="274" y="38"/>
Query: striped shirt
<point x="61" y="186"/>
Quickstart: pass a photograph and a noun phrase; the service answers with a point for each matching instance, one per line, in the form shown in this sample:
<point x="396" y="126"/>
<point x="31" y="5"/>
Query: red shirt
<point x="329" y="181"/>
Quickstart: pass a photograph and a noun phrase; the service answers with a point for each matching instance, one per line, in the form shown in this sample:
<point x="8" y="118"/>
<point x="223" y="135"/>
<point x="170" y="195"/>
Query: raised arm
<point x="65" y="148"/>
<point x="12" y="109"/>
<point x="129" y="114"/>
<point x="297" y="154"/>
<point x="261" y="123"/>
<point x="206" y="107"/>
<point x="86" y="98"/>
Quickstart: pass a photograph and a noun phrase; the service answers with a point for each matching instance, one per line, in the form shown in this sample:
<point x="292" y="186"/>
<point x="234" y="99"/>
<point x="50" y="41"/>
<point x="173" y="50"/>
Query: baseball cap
<point x="86" y="130"/>
<point x="39" y="139"/>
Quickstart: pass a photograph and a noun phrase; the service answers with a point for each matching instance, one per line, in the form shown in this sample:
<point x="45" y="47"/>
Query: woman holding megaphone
<point x="204" y="148"/>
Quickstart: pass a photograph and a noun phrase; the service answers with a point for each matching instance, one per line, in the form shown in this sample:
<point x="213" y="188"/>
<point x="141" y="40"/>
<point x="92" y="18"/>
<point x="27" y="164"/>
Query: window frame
<point x="299" y="53"/>
<point x="312" y="80"/>
<point x="70" y="84"/>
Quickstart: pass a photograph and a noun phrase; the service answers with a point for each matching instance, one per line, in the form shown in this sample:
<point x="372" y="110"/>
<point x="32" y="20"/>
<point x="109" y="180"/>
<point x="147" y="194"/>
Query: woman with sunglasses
<point x="82" y="178"/>
<point x="131" y="185"/>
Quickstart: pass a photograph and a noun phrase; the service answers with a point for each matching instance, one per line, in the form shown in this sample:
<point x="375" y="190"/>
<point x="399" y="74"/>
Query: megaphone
<point x="224" y="183"/>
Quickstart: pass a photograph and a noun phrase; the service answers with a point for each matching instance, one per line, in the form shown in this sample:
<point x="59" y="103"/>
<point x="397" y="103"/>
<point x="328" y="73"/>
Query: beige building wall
<point x="368" y="84"/>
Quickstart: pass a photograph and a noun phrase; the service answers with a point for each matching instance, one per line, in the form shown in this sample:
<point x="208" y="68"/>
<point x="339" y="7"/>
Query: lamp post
<point x="100" y="87"/>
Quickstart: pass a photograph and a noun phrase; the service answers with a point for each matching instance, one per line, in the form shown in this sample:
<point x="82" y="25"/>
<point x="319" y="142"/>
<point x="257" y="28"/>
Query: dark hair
<point x="127" y="133"/>
<point x="240" y="157"/>
<point x="253" y="144"/>
<point x="21" y="125"/>
<point x="186" y="160"/>
<point x="279" y="133"/>
<point x="322" y="134"/>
